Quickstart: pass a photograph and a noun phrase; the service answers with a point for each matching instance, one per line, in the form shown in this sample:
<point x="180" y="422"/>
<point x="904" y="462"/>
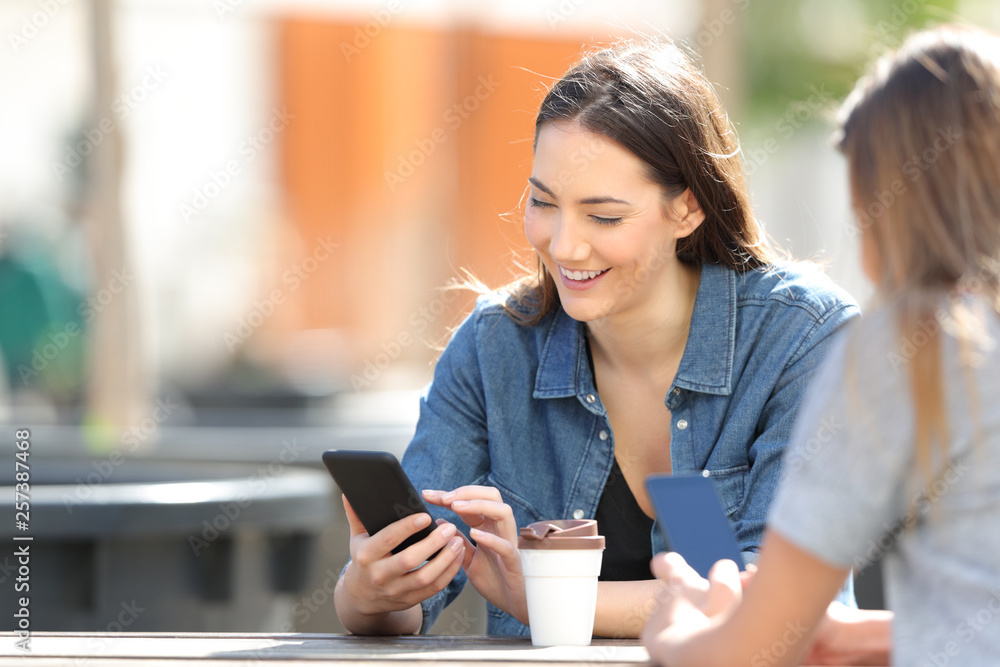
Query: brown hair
<point x="651" y="99"/>
<point x="922" y="139"/>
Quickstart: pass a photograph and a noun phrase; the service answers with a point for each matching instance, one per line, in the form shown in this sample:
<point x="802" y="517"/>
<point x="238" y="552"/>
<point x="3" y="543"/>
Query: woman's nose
<point x="568" y="243"/>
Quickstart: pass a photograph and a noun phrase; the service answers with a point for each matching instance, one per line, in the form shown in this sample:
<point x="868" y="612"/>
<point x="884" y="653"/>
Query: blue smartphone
<point x="692" y="520"/>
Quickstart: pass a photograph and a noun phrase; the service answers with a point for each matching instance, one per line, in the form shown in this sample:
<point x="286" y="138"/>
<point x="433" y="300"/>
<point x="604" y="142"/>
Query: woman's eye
<point x="606" y="221"/>
<point x="538" y="203"/>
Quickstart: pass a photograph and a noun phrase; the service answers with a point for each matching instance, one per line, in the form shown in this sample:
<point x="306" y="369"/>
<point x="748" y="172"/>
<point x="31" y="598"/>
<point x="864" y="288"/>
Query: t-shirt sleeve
<point x="845" y="472"/>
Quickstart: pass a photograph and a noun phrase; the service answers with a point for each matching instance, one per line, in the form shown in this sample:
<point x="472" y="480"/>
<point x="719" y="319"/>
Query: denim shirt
<point x="516" y="408"/>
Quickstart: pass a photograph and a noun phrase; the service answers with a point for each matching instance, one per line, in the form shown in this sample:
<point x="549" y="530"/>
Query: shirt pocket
<point x="730" y="484"/>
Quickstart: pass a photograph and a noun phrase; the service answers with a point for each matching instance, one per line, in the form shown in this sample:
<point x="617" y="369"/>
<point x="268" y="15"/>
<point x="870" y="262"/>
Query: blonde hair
<point x="922" y="139"/>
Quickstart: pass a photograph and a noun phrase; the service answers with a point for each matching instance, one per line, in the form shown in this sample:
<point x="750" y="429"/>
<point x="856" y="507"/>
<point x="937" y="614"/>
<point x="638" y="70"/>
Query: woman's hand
<point x="378" y="583"/>
<point x="688" y="602"/>
<point x="492" y="564"/>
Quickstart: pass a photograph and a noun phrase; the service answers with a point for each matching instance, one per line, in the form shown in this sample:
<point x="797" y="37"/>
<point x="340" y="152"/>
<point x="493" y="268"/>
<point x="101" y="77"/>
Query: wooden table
<point x="95" y="649"/>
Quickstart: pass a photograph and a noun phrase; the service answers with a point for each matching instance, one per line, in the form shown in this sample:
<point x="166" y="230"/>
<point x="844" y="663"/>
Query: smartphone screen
<point x="378" y="490"/>
<point x="692" y="520"/>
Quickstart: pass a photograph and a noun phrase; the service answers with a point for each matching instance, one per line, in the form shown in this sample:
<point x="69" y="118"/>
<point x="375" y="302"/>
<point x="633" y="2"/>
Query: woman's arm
<point x="848" y="636"/>
<point x="773" y="624"/>
<point x="623" y="607"/>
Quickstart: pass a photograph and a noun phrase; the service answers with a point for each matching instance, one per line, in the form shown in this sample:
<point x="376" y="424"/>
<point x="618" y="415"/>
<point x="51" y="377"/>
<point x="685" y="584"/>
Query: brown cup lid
<point x="561" y="534"/>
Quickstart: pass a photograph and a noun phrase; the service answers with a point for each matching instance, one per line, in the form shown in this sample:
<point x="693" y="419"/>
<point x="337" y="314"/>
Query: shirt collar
<point x="707" y="364"/>
<point x="563" y="369"/>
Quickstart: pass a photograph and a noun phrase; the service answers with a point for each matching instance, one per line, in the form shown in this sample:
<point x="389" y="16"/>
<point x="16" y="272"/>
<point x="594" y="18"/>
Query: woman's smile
<point x="580" y="280"/>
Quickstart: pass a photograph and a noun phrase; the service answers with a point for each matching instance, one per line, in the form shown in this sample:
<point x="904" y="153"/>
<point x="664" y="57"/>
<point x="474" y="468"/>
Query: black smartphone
<point x="692" y="520"/>
<point x="378" y="490"/>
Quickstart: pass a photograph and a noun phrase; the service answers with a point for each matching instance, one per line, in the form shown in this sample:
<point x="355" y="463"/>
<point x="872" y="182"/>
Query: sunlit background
<point x="226" y="227"/>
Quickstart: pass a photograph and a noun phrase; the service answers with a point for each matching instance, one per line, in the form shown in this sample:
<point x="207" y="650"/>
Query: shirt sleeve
<point x="776" y="424"/>
<point x="450" y="446"/>
<point x="846" y="471"/>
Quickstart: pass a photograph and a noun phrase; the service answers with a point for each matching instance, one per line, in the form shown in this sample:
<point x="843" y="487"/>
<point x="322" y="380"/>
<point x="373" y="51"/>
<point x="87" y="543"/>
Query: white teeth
<point x="579" y="275"/>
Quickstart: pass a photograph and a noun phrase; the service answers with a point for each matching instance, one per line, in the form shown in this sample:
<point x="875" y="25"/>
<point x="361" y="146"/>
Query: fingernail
<point x="431" y="493"/>
<point x="421" y="520"/>
<point x="455" y="545"/>
<point x="448" y="529"/>
<point x="460" y="503"/>
<point x="448" y="496"/>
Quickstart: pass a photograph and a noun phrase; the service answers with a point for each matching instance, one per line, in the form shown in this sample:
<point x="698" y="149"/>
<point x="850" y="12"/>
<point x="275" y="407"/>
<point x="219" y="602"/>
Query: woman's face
<point x="600" y="226"/>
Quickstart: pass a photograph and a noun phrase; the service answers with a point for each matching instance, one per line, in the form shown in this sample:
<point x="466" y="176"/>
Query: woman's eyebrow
<point x="589" y="200"/>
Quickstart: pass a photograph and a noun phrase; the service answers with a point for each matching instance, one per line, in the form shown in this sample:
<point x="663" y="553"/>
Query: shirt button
<point x="705" y="473"/>
<point x="677" y="391"/>
<point x="577" y="514"/>
<point x="682" y="424"/>
<point x="603" y="435"/>
<point x="591" y="398"/>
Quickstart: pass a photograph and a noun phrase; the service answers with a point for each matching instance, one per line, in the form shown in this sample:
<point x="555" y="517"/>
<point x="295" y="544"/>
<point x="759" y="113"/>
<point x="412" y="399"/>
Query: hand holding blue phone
<point x="692" y="521"/>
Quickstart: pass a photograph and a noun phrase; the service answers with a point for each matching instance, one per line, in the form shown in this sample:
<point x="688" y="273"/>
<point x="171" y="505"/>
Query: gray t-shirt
<point x="852" y="490"/>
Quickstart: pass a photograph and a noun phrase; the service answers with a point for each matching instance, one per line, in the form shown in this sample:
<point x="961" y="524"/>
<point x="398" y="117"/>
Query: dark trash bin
<point x="155" y="545"/>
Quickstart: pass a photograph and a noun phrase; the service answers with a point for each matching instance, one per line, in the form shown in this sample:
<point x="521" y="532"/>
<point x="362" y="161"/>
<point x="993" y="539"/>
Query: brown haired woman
<point x="915" y="468"/>
<point x="659" y="335"/>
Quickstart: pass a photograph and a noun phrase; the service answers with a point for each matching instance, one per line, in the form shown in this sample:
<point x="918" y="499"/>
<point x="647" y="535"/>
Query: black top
<point x="628" y="546"/>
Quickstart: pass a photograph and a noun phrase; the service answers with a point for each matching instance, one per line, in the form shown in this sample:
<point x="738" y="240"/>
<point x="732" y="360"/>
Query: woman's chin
<point x="587" y="310"/>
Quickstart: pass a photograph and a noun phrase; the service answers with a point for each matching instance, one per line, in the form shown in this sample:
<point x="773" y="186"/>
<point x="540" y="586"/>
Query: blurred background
<point x="225" y="230"/>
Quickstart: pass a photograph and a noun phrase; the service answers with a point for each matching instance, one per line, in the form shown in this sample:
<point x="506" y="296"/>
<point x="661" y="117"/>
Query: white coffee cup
<point x="561" y="561"/>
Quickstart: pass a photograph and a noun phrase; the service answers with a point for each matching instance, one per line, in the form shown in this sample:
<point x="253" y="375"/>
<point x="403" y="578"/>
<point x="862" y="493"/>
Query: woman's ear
<point x="685" y="214"/>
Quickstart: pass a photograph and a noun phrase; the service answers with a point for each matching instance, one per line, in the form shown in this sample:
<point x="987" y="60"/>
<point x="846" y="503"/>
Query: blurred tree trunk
<point x="117" y="382"/>
<point x="720" y="40"/>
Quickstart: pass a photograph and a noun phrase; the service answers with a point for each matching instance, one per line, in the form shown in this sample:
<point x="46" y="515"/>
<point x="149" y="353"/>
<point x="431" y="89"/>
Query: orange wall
<point x="410" y="186"/>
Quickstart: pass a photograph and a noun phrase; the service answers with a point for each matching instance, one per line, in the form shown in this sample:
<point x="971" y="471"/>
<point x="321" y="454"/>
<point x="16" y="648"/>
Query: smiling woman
<point x="659" y="334"/>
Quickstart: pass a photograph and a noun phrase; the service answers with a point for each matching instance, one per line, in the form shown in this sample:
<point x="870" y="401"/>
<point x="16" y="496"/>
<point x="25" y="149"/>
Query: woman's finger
<point x="724" y="589"/>
<point x="487" y="509"/>
<point x="495" y="543"/>
<point x="473" y="492"/>
<point x="382" y="543"/>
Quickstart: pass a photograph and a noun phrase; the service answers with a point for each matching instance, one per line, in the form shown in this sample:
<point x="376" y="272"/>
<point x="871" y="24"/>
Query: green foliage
<point x="796" y="47"/>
